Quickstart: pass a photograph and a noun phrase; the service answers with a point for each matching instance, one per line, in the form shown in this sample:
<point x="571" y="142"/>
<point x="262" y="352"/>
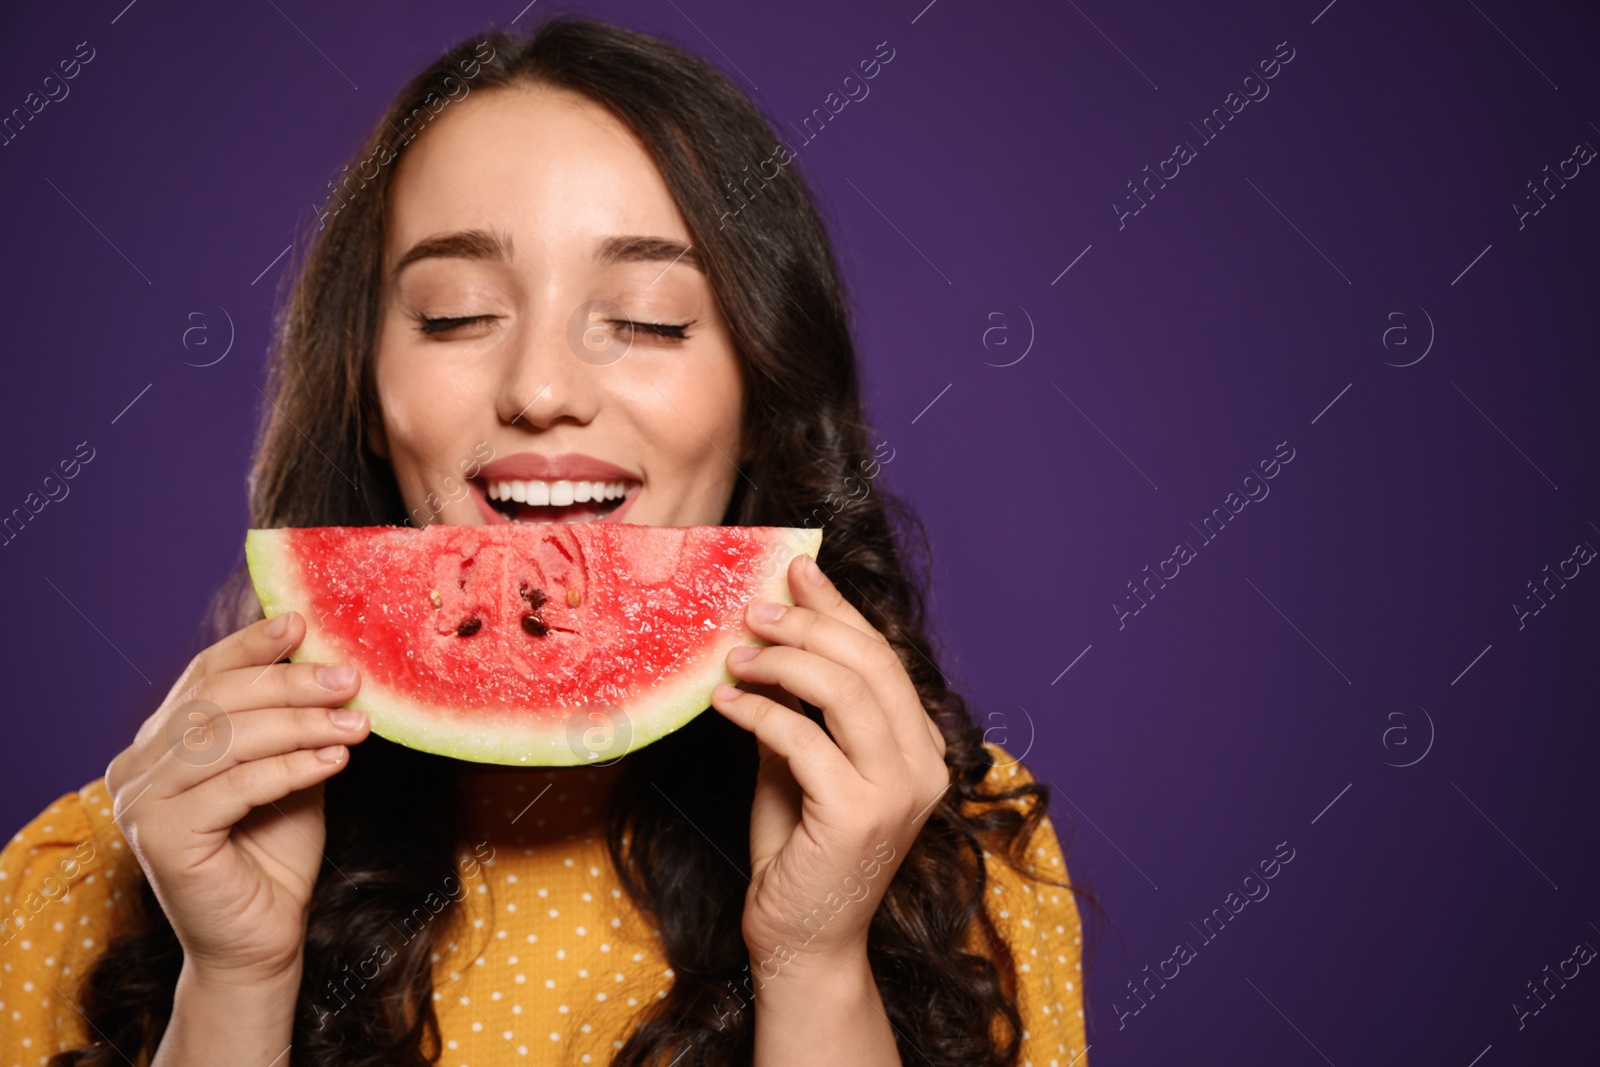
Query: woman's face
<point x="536" y="227"/>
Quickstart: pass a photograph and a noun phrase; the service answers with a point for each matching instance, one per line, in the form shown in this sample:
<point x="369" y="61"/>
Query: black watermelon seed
<point x="534" y="625"/>
<point x="470" y="627"/>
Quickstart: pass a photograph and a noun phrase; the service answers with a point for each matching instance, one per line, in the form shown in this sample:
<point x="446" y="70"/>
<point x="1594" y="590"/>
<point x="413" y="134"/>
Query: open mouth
<point x="535" y="501"/>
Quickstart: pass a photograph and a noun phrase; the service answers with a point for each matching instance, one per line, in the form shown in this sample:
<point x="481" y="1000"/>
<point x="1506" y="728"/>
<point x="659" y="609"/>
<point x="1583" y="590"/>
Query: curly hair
<point x="392" y="815"/>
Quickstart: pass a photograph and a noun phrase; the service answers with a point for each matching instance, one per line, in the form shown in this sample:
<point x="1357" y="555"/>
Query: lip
<point x="563" y="466"/>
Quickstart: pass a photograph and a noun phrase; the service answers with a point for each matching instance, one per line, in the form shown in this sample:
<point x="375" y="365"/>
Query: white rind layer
<point x="654" y="713"/>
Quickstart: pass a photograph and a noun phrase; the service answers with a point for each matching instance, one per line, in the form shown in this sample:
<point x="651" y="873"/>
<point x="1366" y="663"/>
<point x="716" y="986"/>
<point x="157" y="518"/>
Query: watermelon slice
<point x="555" y="644"/>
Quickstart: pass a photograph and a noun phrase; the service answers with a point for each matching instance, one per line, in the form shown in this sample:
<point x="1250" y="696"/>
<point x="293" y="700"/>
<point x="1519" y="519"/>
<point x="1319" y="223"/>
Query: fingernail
<point x="278" y="626"/>
<point x="742" y="654"/>
<point x="331" y="754"/>
<point x="814" y="572"/>
<point x="347" y="718"/>
<point x="726" y="692"/>
<point x="766" y="611"/>
<point x="336" y="676"/>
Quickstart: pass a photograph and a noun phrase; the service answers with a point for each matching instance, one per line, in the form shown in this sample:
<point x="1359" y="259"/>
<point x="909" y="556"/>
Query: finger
<point x="280" y="685"/>
<point x="219" y="802"/>
<point x="217" y="744"/>
<point x="874" y="660"/>
<point x="855" y="719"/>
<point x="774" y="692"/>
<point x="818" y="766"/>
<point x="249" y="685"/>
<point x="813" y="589"/>
<point x="258" y="644"/>
<point x="262" y="642"/>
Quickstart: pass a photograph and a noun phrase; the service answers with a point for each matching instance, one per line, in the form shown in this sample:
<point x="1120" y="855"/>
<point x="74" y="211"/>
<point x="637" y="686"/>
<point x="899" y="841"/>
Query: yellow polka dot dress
<point x="550" y="962"/>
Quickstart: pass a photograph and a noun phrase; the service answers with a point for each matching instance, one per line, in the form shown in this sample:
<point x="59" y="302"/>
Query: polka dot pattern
<point x="1040" y="922"/>
<point x="550" y="961"/>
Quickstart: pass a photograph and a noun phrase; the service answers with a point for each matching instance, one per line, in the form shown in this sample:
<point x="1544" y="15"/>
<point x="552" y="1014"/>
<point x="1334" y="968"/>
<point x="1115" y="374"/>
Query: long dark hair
<point x="391" y="814"/>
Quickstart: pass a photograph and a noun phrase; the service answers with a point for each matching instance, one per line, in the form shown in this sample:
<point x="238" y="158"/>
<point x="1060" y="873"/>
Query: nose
<point x="544" y="382"/>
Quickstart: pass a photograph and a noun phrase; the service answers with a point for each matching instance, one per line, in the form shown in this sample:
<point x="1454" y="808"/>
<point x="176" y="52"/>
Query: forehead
<point x="551" y="168"/>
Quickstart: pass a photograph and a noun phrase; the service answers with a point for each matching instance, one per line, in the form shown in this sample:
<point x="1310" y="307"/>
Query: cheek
<point x="709" y="417"/>
<point x="427" y="406"/>
<point x="681" y="420"/>
<point x="695" y="416"/>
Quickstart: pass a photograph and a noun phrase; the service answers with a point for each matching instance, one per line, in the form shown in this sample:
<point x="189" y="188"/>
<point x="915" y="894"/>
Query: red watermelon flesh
<point x="550" y="644"/>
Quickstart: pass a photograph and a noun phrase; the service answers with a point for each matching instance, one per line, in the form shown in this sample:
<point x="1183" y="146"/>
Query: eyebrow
<point x="497" y="247"/>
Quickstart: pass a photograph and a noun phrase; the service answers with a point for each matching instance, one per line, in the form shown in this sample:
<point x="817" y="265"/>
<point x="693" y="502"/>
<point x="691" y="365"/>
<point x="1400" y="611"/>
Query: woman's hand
<point x="833" y="816"/>
<point x="220" y="798"/>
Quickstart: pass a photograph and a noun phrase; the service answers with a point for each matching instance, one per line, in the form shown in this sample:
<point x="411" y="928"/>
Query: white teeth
<point x="560" y="493"/>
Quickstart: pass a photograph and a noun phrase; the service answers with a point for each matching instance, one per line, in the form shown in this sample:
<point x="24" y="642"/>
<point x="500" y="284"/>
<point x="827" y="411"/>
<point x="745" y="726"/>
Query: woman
<point x="530" y="275"/>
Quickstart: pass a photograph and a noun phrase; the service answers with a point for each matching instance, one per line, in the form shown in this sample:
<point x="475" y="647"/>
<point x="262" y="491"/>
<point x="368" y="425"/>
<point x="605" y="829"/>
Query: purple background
<point x="1288" y="667"/>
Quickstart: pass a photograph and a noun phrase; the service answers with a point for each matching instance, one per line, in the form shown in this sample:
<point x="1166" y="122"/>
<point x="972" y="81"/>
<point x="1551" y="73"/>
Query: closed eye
<point x="428" y="325"/>
<point x="673" y="331"/>
<point x="659" y="329"/>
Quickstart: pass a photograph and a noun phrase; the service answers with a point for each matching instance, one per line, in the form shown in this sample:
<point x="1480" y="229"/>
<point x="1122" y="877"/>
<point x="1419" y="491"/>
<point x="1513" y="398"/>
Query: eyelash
<point x="669" y="331"/>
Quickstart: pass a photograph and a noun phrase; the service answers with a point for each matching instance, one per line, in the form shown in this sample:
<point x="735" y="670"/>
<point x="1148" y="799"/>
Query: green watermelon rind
<point x="663" y="709"/>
